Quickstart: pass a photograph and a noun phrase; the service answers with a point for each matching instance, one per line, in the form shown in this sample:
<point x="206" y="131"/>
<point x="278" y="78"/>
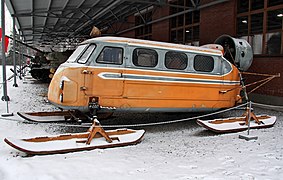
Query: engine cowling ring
<point x="237" y="51"/>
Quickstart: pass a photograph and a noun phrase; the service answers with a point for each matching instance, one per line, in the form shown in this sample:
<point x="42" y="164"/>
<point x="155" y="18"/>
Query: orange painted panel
<point x="115" y="88"/>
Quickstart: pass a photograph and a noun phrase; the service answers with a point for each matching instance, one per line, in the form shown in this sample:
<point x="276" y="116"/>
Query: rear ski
<point x="95" y="138"/>
<point x="236" y="124"/>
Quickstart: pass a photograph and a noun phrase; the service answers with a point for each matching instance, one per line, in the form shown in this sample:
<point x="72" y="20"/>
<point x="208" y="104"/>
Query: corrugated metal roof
<point x="53" y="21"/>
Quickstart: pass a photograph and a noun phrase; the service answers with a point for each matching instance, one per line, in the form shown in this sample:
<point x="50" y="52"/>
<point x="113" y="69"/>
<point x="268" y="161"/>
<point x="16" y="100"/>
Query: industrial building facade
<point x="257" y="21"/>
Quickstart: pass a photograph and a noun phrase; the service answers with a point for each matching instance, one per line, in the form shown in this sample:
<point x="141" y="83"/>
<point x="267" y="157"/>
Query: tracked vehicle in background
<point x="44" y="65"/>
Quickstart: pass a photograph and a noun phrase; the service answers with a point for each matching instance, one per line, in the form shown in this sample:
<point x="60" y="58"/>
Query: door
<point x="107" y="75"/>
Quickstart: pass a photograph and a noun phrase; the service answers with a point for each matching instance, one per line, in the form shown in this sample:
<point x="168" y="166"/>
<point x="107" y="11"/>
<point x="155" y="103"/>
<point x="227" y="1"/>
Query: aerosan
<point x="124" y="74"/>
<point x="107" y="74"/>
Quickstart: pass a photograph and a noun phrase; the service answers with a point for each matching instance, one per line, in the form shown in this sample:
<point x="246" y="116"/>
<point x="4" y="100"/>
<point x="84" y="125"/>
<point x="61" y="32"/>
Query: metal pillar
<point x="14" y="53"/>
<point x="248" y="136"/>
<point x="21" y="59"/>
<point x="5" y="97"/>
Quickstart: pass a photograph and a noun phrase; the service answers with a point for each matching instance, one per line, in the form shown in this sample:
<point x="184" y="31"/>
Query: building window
<point x="203" y="63"/>
<point x="243" y="6"/>
<point x="260" y="23"/>
<point x="141" y="18"/>
<point x="176" y="60"/>
<point x="145" y="57"/>
<point x="184" y="27"/>
<point x="111" y="55"/>
<point x="257" y="4"/>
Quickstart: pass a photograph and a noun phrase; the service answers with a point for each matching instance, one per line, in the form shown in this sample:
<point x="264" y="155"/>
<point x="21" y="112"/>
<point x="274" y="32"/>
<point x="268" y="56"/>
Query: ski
<point x="59" y="116"/>
<point x="67" y="143"/>
<point x="95" y="138"/>
<point x="45" y="117"/>
<point x="236" y="124"/>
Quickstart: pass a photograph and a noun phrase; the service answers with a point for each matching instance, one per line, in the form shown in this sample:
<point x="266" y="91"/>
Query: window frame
<point x="88" y="56"/>
<point x="187" y="60"/>
<point x="78" y="55"/>
<point x="201" y="71"/>
<point x="100" y="62"/>
<point x="141" y="48"/>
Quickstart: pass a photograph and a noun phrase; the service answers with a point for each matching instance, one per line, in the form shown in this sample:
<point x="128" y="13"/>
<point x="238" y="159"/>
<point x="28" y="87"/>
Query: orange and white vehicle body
<point x="140" y="75"/>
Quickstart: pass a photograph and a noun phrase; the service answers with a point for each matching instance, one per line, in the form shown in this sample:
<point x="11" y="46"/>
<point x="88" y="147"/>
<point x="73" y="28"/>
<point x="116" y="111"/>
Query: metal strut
<point x="96" y="128"/>
<point x="93" y="107"/>
<point x="248" y="114"/>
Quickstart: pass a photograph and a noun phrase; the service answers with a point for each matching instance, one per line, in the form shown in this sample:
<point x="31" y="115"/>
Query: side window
<point x="145" y="57"/>
<point x="84" y="57"/>
<point x="203" y="63"/>
<point x="226" y="67"/>
<point x="111" y="55"/>
<point x="176" y="60"/>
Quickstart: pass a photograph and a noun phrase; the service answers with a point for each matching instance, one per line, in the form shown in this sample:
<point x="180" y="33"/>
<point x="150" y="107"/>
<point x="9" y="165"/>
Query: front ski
<point x="95" y="138"/>
<point x="45" y="117"/>
<point x="236" y="124"/>
<point x="59" y="116"/>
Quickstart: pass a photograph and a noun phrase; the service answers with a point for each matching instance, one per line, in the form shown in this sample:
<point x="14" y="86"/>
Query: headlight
<point x="52" y="70"/>
<point x="61" y="97"/>
<point x="62" y="84"/>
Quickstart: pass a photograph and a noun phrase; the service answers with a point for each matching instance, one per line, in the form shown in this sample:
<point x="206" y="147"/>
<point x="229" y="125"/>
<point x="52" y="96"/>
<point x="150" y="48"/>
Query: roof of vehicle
<point x="153" y="44"/>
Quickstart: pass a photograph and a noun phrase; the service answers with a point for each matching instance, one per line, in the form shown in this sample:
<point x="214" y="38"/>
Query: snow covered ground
<point x="173" y="151"/>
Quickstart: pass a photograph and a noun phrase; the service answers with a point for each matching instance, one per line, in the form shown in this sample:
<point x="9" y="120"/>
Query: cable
<point x="137" y="125"/>
<point x="268" y="106"/>
<point x="174" y="121"/>
<point x="156" y="123"/>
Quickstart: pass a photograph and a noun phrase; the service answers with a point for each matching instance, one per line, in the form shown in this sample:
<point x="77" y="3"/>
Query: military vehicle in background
<point x="44" y="65"/>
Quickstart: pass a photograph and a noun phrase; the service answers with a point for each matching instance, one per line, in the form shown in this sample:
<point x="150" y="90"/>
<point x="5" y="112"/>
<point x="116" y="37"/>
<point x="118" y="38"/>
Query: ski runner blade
<point x="236" y="124"/>
<point x="45" y="117"/>
<point x="66" y="143"/>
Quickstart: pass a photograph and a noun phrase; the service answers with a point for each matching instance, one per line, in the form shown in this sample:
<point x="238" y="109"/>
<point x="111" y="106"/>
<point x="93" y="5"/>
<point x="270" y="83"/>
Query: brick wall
<point x="217" y="20"/>
<point x="119" y="26"/>
<point x="221" y="19"/>
<point x="268" y="65"/>
<point x="160" y="30"/>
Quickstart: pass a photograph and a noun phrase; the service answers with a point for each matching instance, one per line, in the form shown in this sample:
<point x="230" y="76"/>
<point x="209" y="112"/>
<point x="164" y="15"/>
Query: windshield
<point x="77" y="53"/>
<point x="84" y="57"/>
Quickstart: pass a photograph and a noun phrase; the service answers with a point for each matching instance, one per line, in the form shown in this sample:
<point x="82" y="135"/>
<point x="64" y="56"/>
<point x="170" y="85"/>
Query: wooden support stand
<point x="248" y="113"/>
<point x="97" y="128"/>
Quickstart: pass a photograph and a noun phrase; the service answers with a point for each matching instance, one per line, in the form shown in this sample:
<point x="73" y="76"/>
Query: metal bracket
<point x="86" y="72"/>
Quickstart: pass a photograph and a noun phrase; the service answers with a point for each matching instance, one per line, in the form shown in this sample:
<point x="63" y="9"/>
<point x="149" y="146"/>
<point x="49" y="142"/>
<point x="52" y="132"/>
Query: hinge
<point x="83" y="88"/>
<point x="86" y="72"/>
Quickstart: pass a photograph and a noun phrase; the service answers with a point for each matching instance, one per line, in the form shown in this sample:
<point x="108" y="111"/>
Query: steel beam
<point x="193" y="3"/>
<point x="14" y="53"/>
<point x="46" y="16"/>
<point x="25" y="44"/>
<point x="58" y="10"/>
<point x="113" y="4"/>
